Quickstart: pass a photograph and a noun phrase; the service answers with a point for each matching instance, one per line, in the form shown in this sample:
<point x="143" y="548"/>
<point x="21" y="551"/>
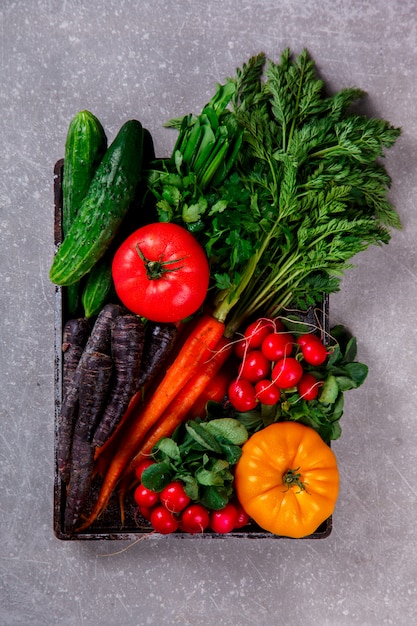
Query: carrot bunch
<point x="200" y="357"/>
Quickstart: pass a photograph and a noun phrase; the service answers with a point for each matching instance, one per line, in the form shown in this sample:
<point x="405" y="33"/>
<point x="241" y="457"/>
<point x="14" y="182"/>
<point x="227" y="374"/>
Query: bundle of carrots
<point x="200" y="357"/>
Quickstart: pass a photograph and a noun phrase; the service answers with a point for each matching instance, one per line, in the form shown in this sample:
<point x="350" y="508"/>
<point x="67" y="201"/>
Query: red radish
<point x="314" y="352"/>
<point x="242" y="395"/>
<point x="257" y="331"/>
<point x="174" y="498"/>
<point x="287" y="373"/>
<point x="278" y="345"/>
<point x="308" y="387"/>
<point x="145" y="511"/>
<point x="163" y="521"/>
<point x="224" y="521"/>
<point x="254" y="335"/>
<point x="145" y="497"/>
<point x="194" y="519"/>
<point x="267" y="392"/>
<point x="302" y="340"/>
<point x="242" y="516"/>
<point x="254" y="367"/>
<point x="142" y="466"/>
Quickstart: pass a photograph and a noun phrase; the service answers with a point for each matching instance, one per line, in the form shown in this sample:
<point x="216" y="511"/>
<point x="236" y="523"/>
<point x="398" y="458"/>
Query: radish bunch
<point x="172" y="510"/>
<point x="273" y="360"/>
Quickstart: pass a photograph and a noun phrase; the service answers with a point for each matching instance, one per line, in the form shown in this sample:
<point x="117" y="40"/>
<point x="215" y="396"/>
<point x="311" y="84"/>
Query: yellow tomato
<point x="287" y="479"/>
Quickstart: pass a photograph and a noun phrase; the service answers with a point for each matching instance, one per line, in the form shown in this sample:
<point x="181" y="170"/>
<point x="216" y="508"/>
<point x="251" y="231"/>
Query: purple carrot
<point x="159" y="341"/>
<point x="74" y="338"/>
<point x="127" y="345"/>
<point x="99" y="341"/>
<point x="79" y="484"/>
<point x="95" y="375"/>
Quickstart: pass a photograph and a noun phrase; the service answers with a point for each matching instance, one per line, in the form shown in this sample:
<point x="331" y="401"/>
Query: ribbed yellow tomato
<point x="287" y="479"/>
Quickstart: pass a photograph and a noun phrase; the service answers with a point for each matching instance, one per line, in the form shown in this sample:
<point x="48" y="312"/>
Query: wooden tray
<point x="109" y="525"/>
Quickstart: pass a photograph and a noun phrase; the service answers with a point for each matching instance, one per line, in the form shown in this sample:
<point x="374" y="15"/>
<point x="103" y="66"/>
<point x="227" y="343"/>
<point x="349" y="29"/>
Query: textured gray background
<point x="154" y="60"/>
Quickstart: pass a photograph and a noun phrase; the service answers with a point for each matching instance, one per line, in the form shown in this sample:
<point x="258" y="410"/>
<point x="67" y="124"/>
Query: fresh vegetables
<point x="287" y="479"/>
<point x="85" y="146"/>
<point x="174" y="497"/>
<point x="280" y="185"/>
<point x="195" y="519"/>
<point x="191" y="477"/>
<point x="225" y="520"/>
<point x="109" y="196"/>
<point x="201" y="455"/>
<point x="296" y="384"/>
<point x="160" y="272"/>
<point x="198" y="347"/>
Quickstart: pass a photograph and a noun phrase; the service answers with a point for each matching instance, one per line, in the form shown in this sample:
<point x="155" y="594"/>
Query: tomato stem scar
<point x="156" y="269"/>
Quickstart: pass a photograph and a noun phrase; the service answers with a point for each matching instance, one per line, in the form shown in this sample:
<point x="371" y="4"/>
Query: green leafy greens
<point x="201" y="455"/>
<point x="282" y="183"/>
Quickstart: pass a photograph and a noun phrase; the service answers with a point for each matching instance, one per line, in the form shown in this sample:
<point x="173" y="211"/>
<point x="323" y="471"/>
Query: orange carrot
<point x="179" y="408"/>
<point x="214" y="392"/>
<point x="197" y="349"/>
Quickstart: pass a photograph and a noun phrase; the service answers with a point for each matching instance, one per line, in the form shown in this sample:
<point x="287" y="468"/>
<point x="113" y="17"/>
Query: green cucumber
<point x="85" y="146"/>
<point x="98" y="287"/>
<point x="108" y="199"/>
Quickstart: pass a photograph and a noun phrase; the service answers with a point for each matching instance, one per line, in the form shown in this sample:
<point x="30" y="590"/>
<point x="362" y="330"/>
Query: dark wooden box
<point x="109" y="525"/>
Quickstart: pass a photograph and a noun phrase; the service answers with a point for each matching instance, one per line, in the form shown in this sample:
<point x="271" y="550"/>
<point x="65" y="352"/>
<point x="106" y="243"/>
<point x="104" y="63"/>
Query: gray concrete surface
<point x="154" y="60"/>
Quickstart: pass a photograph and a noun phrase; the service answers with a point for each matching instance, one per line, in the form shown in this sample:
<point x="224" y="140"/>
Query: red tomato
<point x="174" y="498"/>
<point x="242" y="395"/>
<point x="163" y="520"/>
<point x="194" y="519"/>
<point x="145" y="497"/>
<point x="224" y="521"/>
<point x="287" y="373"/>
<point x="267" y="392"/>
<point x="277" y="345"/>
<point x="254" y="367"/>
<point x="161" y="272"/>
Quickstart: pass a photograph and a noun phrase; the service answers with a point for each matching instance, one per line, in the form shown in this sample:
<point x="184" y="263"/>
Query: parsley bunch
<point x="304" y="190"/>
